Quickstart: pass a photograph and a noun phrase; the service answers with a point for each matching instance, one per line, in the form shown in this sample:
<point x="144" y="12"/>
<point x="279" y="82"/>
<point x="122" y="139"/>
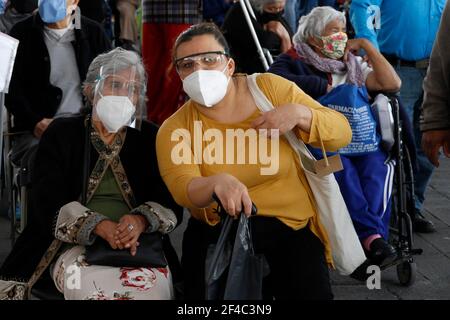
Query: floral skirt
<point x="79" y="281"/>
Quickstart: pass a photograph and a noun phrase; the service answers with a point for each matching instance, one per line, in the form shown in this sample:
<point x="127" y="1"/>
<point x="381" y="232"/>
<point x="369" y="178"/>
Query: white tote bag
<point x="346" y="248"/>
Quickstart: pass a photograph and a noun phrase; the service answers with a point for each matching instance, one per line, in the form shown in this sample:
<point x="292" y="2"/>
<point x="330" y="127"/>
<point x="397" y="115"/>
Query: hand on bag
<point x="41" y="126"/>
<point x="278" y="28"/>
<point x="432" y="141"/>
<point x="284" y="118"/>
<point x="233" y="195"/>
<point x="106" y="229"/>
<point x="128" y="231"/>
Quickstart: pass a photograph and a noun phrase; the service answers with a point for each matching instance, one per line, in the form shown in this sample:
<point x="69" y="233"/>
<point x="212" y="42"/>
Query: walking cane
<point x="264" y="56"/>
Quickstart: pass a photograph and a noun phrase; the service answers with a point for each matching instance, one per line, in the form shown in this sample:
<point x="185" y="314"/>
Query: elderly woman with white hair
<point x="322" y="57"/>
<point x="96" y="182"/>
<point x="272" y="30"/>
<point x="323" y="64"/>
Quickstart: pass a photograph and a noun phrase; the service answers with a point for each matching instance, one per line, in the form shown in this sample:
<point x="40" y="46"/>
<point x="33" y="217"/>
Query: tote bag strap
<point x="307" y="160"/>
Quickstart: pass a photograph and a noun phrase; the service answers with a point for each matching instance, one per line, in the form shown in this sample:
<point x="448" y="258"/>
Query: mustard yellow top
<point x="285" y="194"/>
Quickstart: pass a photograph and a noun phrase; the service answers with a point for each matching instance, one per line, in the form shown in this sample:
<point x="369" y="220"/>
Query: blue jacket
<point x="407" y="28"/>
<point x="289" y="66"/>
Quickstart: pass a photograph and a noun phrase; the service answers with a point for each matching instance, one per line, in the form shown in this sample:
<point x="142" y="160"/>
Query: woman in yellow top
<point x="216" y="143"/>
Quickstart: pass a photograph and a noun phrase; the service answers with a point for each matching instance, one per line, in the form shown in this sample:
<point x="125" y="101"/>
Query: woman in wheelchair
<point x="105" y="157"/>
<point x="323" y="64"/>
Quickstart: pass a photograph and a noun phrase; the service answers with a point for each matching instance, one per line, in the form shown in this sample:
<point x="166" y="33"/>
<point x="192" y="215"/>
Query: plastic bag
<point x="234" y="271"/>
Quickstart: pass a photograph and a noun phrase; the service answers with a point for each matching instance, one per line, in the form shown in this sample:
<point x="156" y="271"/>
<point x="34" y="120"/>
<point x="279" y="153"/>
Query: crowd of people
<point x="113" y="100"/>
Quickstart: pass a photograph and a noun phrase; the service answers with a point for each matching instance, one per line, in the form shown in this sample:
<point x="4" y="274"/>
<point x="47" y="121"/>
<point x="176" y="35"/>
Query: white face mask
<point x="206" y="87"/>
<point x="115" y="112"/>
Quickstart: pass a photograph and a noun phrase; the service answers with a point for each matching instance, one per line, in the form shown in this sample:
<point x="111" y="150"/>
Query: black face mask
<point x="267" y="16"/>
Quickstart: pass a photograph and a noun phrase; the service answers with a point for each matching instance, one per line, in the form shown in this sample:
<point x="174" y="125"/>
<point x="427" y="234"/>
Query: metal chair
<point x="16" y="181"/>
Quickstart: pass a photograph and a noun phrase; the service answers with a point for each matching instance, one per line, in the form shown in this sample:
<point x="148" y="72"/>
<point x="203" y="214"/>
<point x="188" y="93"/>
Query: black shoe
<point x="381" y="252"/>
<point x="422" y="225"/>
<point x="360" y="273"/>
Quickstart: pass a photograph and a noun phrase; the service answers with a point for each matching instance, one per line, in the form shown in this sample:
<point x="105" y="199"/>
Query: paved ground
<point x="433" y="277"/>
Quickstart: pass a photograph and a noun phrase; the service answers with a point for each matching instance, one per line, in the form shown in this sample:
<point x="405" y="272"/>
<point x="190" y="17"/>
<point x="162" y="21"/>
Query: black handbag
<point x="149" y="254"/>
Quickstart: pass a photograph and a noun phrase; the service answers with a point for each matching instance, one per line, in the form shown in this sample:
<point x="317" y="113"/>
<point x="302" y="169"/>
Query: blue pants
<point x="411" y="92"/>
<point x="366" y="186"/>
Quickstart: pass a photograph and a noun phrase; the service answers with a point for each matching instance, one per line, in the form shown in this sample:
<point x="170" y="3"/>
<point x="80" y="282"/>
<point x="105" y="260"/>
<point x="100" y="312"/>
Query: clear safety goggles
<point x="207" y="60"/>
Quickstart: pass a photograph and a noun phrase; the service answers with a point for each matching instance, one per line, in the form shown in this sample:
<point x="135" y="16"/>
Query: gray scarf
<point x="351" y="66"/>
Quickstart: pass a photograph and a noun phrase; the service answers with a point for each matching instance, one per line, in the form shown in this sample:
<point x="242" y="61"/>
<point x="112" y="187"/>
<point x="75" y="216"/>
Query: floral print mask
<point x="334" y="45"/>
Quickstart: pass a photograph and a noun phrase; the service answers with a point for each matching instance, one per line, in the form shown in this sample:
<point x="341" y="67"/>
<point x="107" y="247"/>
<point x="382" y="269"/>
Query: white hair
<point x="259" y="4"/>
<point x="313" y="24"/>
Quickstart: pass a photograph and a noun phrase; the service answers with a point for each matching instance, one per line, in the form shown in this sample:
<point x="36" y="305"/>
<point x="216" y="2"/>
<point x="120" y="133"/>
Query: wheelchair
<point x="402" y="201"/>
<point x="16" y="177"/>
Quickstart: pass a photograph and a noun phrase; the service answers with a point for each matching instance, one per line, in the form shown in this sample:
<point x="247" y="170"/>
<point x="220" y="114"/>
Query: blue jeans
<point x="295" y="9"/>
<point x="291" y="13"/>
<point x="411" y="93"/>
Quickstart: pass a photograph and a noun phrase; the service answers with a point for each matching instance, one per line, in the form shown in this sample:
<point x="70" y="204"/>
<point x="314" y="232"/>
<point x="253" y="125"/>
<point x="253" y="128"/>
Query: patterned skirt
<point x="78" y="280"/>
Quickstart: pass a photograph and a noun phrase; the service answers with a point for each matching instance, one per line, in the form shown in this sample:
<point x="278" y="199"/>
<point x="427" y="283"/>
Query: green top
<point x="108" y="199"/>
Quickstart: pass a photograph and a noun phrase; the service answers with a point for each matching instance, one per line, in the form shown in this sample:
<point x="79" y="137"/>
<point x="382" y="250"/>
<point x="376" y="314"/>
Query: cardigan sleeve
<point x="52" y="174"/>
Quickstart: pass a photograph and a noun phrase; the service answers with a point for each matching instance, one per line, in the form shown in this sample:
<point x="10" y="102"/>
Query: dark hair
<point x="205" y="28"/>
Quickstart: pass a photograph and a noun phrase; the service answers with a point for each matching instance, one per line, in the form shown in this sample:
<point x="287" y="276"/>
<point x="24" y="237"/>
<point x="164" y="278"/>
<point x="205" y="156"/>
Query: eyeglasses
<point x="208" y="60"/>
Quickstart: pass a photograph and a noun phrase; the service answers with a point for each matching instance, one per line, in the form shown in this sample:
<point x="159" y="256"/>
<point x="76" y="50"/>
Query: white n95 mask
<point x="206" y="87"/>
<point x="115" y="112"/>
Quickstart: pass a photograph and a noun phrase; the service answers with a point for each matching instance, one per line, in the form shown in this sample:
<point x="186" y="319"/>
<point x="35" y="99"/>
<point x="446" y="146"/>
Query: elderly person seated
<point x="272" y="30"/>
<point x="108" y="160"/>
<point x="322" y="63"/>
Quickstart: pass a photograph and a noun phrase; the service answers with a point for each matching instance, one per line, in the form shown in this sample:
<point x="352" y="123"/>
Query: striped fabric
<point x="172" y="11"/>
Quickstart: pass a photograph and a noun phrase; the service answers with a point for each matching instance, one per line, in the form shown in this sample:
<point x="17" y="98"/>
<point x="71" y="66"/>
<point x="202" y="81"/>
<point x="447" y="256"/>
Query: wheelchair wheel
<point x="406" y="273"/>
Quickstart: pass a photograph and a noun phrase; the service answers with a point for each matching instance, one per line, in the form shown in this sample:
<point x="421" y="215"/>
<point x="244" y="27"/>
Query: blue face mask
<point x="52" y="11"/>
